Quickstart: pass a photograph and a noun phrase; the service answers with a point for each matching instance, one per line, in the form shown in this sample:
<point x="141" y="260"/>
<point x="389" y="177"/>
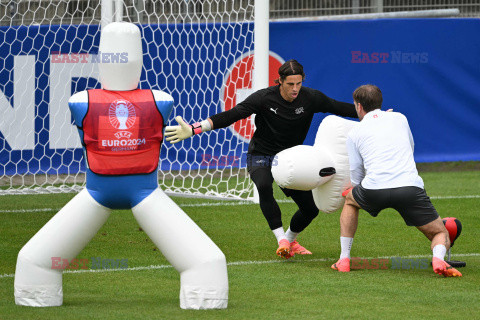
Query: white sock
<point x="291" y="236"/>
<point x="279" y="233"/>
<point x="346" y="245"/>
<point x="439" y="251"/>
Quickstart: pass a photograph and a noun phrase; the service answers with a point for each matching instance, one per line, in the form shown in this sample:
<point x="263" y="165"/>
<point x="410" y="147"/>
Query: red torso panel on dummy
<point x="123" y="132"/>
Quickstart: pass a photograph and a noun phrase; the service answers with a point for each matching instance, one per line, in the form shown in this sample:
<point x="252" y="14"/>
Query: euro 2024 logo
<point x="122" y="116"/>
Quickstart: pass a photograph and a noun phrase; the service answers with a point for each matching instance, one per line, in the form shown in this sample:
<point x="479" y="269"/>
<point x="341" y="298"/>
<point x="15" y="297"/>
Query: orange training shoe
<point x="296" y="248"/>
<point x="342" y="265"/>
<point x="443" y="268"/>
<point x="283" y="249"/>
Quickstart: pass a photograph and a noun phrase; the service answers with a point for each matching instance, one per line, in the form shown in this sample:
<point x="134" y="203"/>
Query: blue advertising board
<point x="427" y="69"/>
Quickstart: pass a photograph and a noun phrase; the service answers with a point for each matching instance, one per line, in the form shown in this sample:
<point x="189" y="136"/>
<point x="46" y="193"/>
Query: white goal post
<point x="201" y="52"/>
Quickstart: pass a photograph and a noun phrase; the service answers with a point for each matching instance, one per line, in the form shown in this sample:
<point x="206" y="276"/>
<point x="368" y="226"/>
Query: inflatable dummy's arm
<point x="164" y="103"/>
<point x="78" y="104"/>
<point x="322" y="168"/>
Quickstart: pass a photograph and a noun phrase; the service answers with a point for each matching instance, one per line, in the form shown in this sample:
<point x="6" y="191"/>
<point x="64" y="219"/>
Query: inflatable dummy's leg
<point x="201" y="264"/>
<point x="38" y="283"/>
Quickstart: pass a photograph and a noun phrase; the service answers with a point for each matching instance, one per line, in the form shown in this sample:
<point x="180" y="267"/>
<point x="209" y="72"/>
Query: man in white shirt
<point x="384" y="175"/>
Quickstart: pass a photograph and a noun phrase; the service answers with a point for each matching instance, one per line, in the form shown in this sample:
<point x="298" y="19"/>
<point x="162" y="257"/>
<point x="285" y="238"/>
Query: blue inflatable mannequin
<point x="121" y="129"/>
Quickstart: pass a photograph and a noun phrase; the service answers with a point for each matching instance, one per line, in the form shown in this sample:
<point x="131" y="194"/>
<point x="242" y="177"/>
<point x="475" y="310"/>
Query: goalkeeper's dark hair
<point x="369" y="96"/>
<point x="290" y="68"/>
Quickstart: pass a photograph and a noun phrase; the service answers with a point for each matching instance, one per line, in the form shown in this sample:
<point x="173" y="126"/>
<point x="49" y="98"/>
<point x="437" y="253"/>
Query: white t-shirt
<point x="380" y="150"/>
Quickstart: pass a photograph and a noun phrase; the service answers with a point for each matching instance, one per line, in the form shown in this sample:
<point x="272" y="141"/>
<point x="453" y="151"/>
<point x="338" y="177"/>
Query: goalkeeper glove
<point x="176" y="134"/>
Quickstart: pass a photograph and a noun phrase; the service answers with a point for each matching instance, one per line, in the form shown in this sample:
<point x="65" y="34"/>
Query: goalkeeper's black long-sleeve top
<point x="281" y="124"/>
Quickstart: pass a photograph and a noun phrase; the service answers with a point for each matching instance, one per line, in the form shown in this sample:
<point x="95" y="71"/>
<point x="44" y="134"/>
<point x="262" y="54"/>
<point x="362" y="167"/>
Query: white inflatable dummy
<point x="332" y="136"/>
<point x="303" y="168"/>
<point x="201" y="264"/>
<point x="310" y="167"/>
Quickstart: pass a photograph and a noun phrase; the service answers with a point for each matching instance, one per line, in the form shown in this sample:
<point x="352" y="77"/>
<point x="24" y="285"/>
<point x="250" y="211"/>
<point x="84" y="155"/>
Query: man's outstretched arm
<point x="223" y="119"/>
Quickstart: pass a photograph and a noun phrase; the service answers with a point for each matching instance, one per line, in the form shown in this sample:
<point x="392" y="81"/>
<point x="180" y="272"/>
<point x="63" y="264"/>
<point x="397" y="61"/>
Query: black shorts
<point x="412" y="203"/>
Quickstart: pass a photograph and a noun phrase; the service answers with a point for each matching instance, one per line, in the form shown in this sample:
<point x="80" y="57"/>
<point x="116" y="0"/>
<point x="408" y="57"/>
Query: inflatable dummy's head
<point x="322" y="168"/>
<point x="120" y="56"/>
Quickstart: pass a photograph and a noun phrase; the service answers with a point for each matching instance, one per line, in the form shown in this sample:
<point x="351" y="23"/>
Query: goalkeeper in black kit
<point x="283" y="116"/>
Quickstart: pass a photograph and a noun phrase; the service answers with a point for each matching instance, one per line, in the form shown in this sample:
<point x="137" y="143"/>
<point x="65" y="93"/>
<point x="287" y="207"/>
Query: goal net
<point x="201" y="52"/>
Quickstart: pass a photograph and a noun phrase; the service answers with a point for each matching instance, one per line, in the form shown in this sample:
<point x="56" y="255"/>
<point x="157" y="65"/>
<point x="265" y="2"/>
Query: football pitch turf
<point x="262" y="286"/>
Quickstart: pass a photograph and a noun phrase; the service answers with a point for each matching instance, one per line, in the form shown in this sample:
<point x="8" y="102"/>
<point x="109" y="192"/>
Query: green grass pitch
<point x="261" y="285"/>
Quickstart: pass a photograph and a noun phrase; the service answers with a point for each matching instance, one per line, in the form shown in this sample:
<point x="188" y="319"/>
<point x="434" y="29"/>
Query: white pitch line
<point x="216" y="204"/>
<point x="243" y="263"/>
<point x="29" y="210"/>
<point x="474" y="196"/>
<point x="226" y="203"/>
